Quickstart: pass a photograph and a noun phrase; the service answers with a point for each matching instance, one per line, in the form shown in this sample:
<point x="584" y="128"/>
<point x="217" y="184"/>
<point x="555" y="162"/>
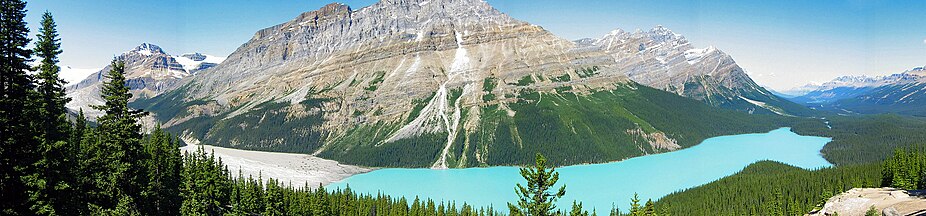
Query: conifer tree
<point x="52" y="115"/>
<point x="577" y="210"/>
<point x="273" y="198"/>
<point x="18" y="145"/>
<point x="320" y="203"/>
<point x="538" y="197"/>
<point x="53" y="184"/>
<point x="120" y="180"/>
<point x="649" y="208"/>
<point x="206" y="187"/>
<point x="162" y="196"/>
<point x="635" y="208"/>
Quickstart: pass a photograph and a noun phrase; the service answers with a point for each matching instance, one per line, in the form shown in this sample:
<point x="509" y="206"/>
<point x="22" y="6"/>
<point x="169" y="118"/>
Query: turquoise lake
<point x="601" y="186"/>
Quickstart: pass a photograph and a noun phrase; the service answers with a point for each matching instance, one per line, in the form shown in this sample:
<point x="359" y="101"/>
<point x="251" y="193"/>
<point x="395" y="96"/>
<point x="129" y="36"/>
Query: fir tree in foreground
<point x="538" y="197"/>
<point x="116" y="157"/>
<point x="18" y="152"/>
<point x="54" y="183"/>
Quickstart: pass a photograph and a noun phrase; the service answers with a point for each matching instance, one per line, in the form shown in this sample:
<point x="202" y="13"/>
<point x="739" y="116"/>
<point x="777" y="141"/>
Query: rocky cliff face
<point x="666" y="60"/>
<point x="149" y="71"/>
<point x="373" y="65"/>
<point x="439" y="83"/>
<point x="888" y="201"/>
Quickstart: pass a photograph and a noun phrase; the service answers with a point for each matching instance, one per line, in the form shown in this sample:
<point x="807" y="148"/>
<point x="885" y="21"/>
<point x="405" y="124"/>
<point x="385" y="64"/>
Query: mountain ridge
<point x="902" y="93"/>
<point x="440" y="84"/>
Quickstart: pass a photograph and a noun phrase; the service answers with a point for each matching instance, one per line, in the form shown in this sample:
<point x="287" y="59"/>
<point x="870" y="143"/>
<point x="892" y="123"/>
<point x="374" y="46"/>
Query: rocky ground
<point x="294" y="169"/>
<point x="888" y="201"/>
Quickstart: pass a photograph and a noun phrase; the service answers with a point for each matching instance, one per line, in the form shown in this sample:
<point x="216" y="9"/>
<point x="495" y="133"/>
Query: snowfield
<point x="75" y="75"/>
<point x="292" y="169"/>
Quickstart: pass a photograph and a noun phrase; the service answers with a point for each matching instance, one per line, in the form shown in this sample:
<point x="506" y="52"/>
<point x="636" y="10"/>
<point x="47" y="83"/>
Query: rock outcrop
<point x="888" y="201"/>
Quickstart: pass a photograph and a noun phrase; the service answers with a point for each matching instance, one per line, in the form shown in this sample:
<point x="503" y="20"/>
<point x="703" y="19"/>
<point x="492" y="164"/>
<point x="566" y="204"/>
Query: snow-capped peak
<point x="147" y="49"/>
<point x="615" y="32"/>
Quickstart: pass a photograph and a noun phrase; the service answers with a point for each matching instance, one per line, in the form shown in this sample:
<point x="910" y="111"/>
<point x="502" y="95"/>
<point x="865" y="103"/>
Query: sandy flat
<point x="289" y="168"/>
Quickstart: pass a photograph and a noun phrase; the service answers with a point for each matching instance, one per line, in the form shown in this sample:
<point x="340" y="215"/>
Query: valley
<point x="442" y="107"/>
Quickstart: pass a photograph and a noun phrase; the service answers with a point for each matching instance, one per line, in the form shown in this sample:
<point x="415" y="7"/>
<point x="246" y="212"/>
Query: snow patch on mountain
<point x="195" y="61"/>
<point x="694" y="55"/>
<point x="74" y="75"/>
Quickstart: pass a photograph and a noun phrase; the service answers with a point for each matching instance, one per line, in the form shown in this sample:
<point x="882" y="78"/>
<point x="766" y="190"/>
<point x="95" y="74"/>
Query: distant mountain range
<point x="448" y="83"/>
<point x="149" y="71"/>
<point x="902" y="93"/>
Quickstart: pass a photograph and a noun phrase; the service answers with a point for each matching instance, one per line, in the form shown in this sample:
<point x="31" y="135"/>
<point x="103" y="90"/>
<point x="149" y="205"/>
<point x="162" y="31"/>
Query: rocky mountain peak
<point x="147" y="49"/>
<point x="660" y="33"/>
<point x="329" y="11"/>
<point x="918" y="71"/>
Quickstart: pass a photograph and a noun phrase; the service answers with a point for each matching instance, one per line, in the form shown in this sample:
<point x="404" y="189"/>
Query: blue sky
<point x="780" y="43"/>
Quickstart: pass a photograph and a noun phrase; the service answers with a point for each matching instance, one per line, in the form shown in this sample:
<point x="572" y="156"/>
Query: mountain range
<point x="902" y="93"/>
<point x="448" y="83"/>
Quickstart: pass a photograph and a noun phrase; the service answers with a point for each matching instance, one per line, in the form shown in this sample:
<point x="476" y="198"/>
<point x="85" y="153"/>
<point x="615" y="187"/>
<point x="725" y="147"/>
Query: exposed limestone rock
<point x="656" y="140"/>
<point x="889" y="201"/>
<point x="666" y="60"/>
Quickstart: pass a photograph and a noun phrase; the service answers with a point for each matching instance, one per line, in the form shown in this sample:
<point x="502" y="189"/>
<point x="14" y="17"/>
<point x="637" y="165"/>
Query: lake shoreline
<point x="600" y="185"/>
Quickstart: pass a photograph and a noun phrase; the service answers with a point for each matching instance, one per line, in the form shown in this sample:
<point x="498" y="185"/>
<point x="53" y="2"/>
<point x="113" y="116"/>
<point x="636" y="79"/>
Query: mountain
<point x="665" y="60"/>
<point x="439" y="83"/>
<point x="149" y="71"/>
<point x="903" y="93"/>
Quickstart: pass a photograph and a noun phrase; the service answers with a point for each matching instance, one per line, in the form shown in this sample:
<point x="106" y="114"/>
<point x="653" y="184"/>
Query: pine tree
<point x="635" y="208"/>
<point x="118" y="151"/>
<point x="81" y="134"/>
<point x="320" y="202"/>
<point x="649" y="208"/>
<point x="664" y="211"/>
<point x="538" y="198"/>
<point x="18" y="145"/>
<point x="162" y="196"/>
<point x="273" y="198"/>
<point x="53" y="184"/>
<point x="206" y="188"/>
<point x="577" y="210"/>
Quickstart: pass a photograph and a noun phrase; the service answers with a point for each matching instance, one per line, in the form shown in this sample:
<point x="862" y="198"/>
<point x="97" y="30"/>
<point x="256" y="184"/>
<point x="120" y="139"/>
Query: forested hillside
<point x="864" y="139"/>
<point x="629" y="121"/>
<point x="771" y="188"/>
